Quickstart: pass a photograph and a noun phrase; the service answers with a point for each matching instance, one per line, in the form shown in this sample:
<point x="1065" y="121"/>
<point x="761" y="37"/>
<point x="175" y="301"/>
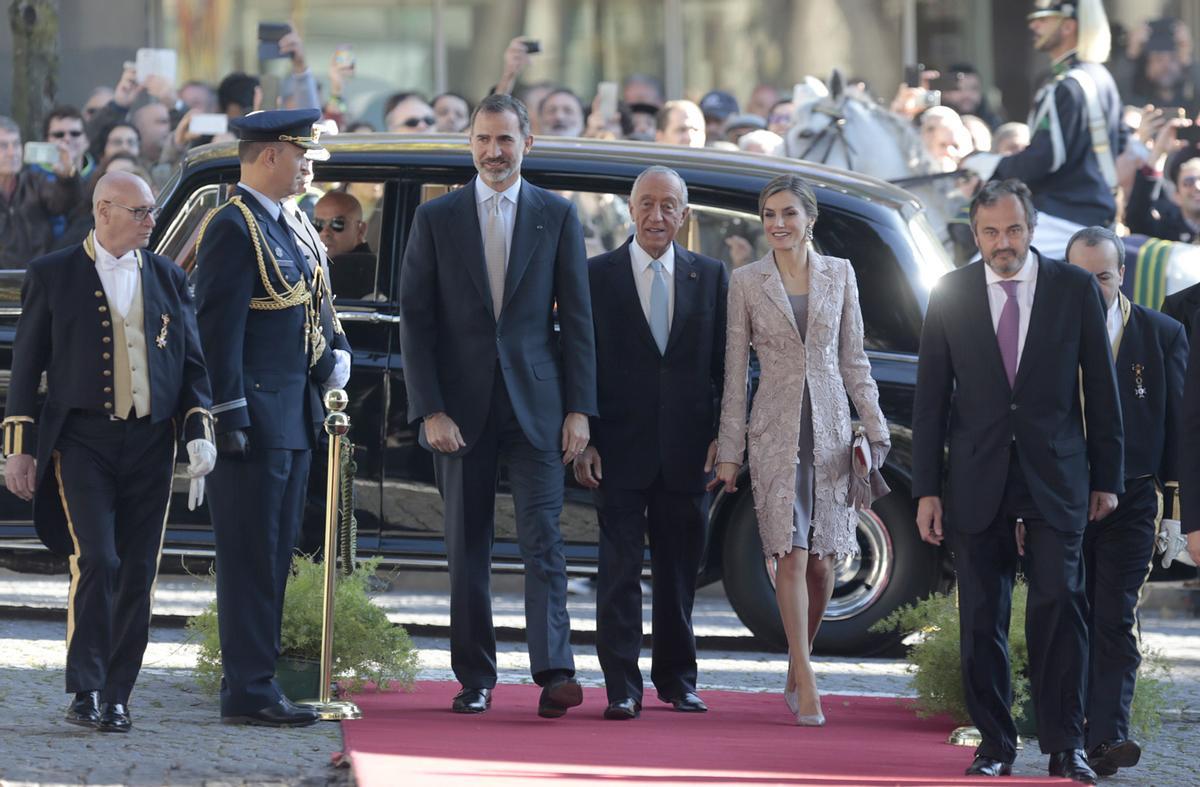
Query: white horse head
<point x="840" y="127"/>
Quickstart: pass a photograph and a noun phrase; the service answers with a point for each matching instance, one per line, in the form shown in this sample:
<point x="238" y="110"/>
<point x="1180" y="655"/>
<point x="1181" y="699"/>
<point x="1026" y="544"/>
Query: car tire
<point x="894" y="568"/>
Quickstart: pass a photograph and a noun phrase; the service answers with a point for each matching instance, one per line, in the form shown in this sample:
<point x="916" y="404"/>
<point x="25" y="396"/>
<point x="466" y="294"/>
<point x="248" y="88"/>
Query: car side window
<point x="349" y="215"/>
<point x="178" y="241"/>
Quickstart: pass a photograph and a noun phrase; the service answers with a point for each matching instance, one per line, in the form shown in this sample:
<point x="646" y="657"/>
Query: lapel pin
<point x="692" y="275"/>
<point x="1139" y="386"/>
<point x="278" y="251"/>
<point x="539" y="226"/>
<point x="161" y="341"/>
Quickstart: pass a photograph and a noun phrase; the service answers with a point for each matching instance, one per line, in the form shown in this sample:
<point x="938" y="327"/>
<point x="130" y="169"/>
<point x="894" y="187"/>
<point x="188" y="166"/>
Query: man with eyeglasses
<point x="409" y="113"/>
<point x="65" y="124"/>
<point x="338" y="218"/>
<point x="114" y="329"/>
<point x="30" y="198"/>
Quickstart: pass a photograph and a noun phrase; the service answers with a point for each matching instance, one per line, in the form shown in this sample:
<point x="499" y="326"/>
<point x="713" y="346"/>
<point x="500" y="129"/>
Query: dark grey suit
<point x="507" y="383"/>
<point x="1019" y="451"/>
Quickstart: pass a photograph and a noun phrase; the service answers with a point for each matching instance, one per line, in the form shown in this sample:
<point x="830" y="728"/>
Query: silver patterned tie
<point x="660" y="319"/>
<point x="495" y="252"/>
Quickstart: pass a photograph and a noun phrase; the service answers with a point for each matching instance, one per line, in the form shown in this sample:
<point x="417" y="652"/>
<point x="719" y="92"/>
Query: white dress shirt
<point x="643" y="277"/>
<point x="508" y="210"/>
<point x="1026" y="279"/>
<point x="118" y="275"/>
<point x="1115" y="320"/>
<point x="273" y="207"/>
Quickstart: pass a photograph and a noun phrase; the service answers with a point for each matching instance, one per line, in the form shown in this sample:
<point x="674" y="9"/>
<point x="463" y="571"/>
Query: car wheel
<point x="894" y="568"/>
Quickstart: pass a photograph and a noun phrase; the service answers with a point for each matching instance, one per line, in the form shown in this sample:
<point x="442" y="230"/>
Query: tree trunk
<point x="34" y="26"/>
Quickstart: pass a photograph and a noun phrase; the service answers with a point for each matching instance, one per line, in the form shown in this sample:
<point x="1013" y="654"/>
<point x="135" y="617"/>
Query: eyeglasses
<point x="1190" y="182"/>
<point x="428" y="120"/>
<point x="337" y="225"/>
<point x="75" y="134"/>
<point x="139" y="214"/>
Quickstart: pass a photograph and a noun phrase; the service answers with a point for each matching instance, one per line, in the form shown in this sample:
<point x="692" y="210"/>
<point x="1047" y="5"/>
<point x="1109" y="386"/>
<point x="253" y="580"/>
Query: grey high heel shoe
<point x="810" y="720"/>
<point x="792" y="698"/>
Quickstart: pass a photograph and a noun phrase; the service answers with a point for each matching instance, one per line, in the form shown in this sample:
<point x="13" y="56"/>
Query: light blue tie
<point x="660" y="319"/>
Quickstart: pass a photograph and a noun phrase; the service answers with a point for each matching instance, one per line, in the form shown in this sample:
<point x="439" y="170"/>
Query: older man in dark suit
<point x="1022" y="447"/>
<point x="659" y="312"/>
<point x="113" y="328"/>
<point x="1151" y="353"/>
<point x="489" y="378"/>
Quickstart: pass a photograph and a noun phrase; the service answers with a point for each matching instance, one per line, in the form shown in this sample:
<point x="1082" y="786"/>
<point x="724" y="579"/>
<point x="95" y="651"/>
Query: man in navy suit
<point x="659" y="312"/>
<point x="1022" y="447"/>
<point x="1151" y="352"/>
<point x="113" y="328"/>
<point x="272" y="343"/>
<point x="488" y="377"/>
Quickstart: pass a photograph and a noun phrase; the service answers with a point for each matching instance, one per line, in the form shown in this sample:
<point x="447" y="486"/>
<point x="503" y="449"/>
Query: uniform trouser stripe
<point x="114" y="484"/>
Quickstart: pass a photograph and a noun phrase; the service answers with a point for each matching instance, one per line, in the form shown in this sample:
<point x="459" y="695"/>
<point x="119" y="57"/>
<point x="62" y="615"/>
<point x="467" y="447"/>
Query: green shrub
<point x="934" y="663"/>
<point x="366" y="645"/>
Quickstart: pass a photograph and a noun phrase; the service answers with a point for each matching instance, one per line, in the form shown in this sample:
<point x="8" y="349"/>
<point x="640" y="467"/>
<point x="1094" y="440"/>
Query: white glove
<point x="1172" y="544"/>
<point x="341" y="371"/>
<point x="202" y="456"/>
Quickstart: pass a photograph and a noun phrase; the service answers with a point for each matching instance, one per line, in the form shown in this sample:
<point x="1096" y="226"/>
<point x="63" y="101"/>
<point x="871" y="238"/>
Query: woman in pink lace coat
<point x="800" y="312"/>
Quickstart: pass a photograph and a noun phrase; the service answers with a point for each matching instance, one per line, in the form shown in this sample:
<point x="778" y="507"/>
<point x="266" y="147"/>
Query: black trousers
<point x="674" y="522"/>
<point x="467" y="484"/>
<point x="114" y="478"/>
<point x="257" y="505"/>
<point x="1055" y="628"/>
<point x="1117" y="552"/>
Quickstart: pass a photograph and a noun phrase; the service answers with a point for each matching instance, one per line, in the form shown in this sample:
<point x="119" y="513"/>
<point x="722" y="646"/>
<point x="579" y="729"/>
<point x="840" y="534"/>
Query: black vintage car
<point x="880" y="228"/>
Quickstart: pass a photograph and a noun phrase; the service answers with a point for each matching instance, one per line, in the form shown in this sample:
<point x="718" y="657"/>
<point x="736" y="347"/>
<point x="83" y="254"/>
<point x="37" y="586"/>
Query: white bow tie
<point x="128" y="263"/>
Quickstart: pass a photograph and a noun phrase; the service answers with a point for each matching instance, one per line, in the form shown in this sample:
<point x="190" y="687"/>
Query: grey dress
<point x="802" y="508"/>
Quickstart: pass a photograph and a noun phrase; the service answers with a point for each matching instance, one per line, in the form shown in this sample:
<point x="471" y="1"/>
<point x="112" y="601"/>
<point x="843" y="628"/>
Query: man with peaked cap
<point x="113" y="328"/>
<point x="1076" y="123"/>
<point x="266" y="325"/>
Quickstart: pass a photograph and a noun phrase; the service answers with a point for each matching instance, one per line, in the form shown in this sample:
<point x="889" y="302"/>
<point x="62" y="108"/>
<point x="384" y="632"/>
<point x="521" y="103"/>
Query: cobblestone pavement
<point x="177" y="738"/>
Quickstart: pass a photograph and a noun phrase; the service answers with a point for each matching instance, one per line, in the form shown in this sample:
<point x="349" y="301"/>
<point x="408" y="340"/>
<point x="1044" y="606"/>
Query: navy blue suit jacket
<point x="963" y="395"/>
<point x="64" y="332"/>
<point x="658" y="412"/>
<point x="452" y="341"/>
<point x="257" y="359"/>
<point x="1152" y="399"/>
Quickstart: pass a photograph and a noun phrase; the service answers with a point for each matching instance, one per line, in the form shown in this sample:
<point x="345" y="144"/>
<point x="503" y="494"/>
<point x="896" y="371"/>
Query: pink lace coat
<point x="833" y="362"/>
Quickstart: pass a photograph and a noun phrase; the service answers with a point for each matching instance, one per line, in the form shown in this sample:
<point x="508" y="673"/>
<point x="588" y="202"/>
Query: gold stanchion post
<point x="337" y="424"/>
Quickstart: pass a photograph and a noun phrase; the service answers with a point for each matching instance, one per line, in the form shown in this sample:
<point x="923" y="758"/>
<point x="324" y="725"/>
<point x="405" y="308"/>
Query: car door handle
<point x="371" y="317"/>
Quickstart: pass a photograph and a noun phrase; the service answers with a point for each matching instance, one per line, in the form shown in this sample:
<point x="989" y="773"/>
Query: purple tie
<point x="1009" y="329"/>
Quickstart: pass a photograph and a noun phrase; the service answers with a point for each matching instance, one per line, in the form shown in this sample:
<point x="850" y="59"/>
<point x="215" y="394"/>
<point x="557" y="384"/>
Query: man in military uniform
<point x="266" y="324"/>
<point x="1151" y="352"/>
<point x="113" y="327"/>
<point x="1076" y="121"/>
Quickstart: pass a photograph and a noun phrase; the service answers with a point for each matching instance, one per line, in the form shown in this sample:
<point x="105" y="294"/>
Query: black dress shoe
<point x="472" y="701"/>
<point x="1106" y="758"/>
<point x="281" y="714"/>
<point x="1073" y="765"/>
<point x="623" y="710"/>
<point x="557" y="696"/>
<point x="688" y="702"/>
<point x="986" y="766"/>
<point x="84" y="710"/>
<point x="114" y="717"/>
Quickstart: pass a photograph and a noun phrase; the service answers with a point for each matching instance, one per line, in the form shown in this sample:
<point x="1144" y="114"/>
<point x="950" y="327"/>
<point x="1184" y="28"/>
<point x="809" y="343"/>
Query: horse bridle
<point x="837" y="125"/>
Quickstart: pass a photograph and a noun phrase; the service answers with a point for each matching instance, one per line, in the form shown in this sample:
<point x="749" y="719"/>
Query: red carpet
<point x="745" y="738"/>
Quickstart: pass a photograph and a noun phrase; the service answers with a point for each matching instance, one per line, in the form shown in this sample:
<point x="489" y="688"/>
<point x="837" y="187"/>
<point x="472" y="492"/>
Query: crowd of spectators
<point x="144" y="127"/>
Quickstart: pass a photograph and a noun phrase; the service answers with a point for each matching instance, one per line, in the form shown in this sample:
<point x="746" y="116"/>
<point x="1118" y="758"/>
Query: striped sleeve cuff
<point x="18" y="432"/>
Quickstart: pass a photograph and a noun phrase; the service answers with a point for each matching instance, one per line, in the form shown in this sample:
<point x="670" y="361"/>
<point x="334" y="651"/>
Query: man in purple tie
<point x="1007" y="346"/>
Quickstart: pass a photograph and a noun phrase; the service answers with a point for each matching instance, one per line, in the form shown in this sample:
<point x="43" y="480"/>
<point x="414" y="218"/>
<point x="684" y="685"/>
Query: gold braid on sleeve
<point x="15" y="427"/>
